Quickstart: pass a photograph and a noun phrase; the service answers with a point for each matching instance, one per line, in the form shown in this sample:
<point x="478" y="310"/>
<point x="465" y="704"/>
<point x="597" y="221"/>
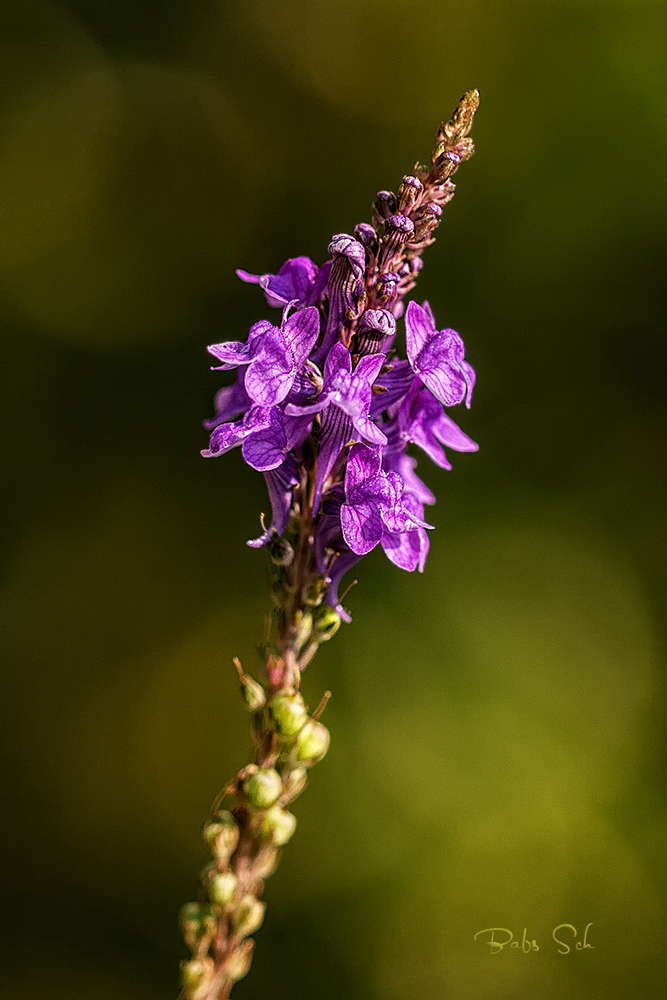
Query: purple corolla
<point x="272" y="355"/>
<point x="422" y="420"/>
<point x="298" y="280"/>
<point x="376" y="510"/>
<point x="436" y="356"/>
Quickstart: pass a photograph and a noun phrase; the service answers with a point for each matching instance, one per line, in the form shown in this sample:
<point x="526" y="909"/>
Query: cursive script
<point x="500" y="938"/>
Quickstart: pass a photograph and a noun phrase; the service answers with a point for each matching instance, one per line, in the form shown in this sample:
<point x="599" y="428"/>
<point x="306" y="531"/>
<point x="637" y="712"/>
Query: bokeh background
<point x="498" y="723"/>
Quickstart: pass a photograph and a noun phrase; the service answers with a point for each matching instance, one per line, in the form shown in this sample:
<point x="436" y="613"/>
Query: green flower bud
<point x="196" y="922"/>
<point x="253" y="694"/>
<point x="327" y="625"/>
<point x="278" y="825"/>
<point x="289" y="714"/>
<point x="238" y="963"/>
<point x="304" y="628"/>
<point x="311" y="744"/>
<point x="196" y="975"/>
<point x="294" y="783"/>
<point x="249" y="915"/>
<point x="266" y="861"/>
<point x="222" y="887"/>
<point x="221" y="836"/>
<point x="263" y="788"/>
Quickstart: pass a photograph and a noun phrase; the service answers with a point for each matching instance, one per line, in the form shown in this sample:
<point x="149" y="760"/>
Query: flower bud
<point x="288" y="713"/>
<point x="249" y="915"/>
<point x="222" y="887"/>
<point x="253" y="694"/>
<point x="221" y="836"/>
<point x="327" y="625"/>
<point x="304" y="628"/>
<point x="365" y="233"/>
<point x="266" y="861"/>
<point x="263" y="788"/>
<point x="280" y="551"/>
<point x="195" y="920"/>
<point x="278" y="825"/>
<point x="238" y="963"/>
<point x="294" y="783"/>
<point x="312" y="743"/>
<point x="196" y="976"/>
<point x="408" y="193"/>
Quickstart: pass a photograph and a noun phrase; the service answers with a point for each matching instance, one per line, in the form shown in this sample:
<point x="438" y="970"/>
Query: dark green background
<point x="498" y="723"/>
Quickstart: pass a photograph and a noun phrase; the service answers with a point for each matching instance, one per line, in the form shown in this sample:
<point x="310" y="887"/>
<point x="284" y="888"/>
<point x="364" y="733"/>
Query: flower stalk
<point x="325" y="409"/>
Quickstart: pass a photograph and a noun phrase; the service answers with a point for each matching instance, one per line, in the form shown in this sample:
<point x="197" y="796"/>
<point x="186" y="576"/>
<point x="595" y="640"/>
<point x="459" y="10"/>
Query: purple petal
<point x="362" y="463"/>
<point x="369" y="367"/>
<point x="280" y="483"/>
<point x="270" y="376"/>
<point x="228" y="436"/>
<point x="405" y="465"/>
<point x="449" y="434"/>
<point x="301" y="331"/>
<point x="361" y="526"/>
<point x="397" y="383"/>
<point x="368" y="430"/>
<point x="419" y="329"/>
<point x="379" y="490"/>
<point x="229" y="402"/>
<point x="343" y="563"/>
<point x="232" y="354"/>
<point x="335" y="433"/>
<point x="266" y="449"/>
<point x="408" y="551"/>
<point x="337" y="358"/>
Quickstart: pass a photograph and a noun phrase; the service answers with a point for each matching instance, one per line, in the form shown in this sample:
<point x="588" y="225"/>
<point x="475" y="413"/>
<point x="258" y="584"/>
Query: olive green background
<point x="498" y="723"/>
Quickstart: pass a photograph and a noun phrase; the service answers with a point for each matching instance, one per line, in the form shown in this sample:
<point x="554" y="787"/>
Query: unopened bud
<point x="266" y="861"/>
<point x="304" y="628"/>
<point x="280" y="551"/>
<point x="327" y="625"/>
<point x="293" y="784"/>
<point x="365" y="233"/>
<point x="288" y="713"/>
<point x="408" y="193"/>
<point x="263" y="788"/>
<point x="196" y="976"/>
<point x="195" y="921"/>
<point x="278" y="825"/>
<point x="312" y="743"/>
<point x="253" y="694"/>
<point x="238" y="963"/>
<point x="222" y="835"/>
<point x="249" y="915"/>
<point x="222" y="887"/>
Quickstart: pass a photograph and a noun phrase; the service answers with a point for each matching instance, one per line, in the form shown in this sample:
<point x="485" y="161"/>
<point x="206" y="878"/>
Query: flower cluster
<point x="324" y="406"/>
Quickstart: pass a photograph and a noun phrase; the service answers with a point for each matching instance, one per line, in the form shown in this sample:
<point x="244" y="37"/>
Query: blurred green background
<point x="498" y="723"/>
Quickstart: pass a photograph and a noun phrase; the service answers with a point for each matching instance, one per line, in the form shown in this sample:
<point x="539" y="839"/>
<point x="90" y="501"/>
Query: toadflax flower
<point x="325" y="406"/>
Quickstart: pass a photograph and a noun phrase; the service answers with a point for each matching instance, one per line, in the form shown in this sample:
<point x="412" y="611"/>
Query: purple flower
<point x="346" y="397"/>
<point x="376" y="510"/>
<point x="422" y="420"/>
<point x="436" y="357"/>
<point x="265" y="434"/>
<point x="298" y="280"/>
<point x="346" y="288"/>
<point x="229" y="402"/>
<point x="273" y="355"/>
<point x="280" y="483"/>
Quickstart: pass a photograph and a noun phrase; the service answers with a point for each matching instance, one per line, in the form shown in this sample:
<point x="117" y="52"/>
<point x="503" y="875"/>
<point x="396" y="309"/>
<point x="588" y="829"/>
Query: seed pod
<point x="278" y="825"/>
<point x="266" y="861"/>
<point x="249" y="915"/>
<point x="222" y="888"/>
<point x="311" y="744"/>
<point x="263" y="788"/>
<point x="193" y="919"/>
<point x="289" y="714"/>
<point x="221" y="836"/>
<point x="196" y="976"/>
<point x="238" y="963"/>
<point x="294" y="783"/>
